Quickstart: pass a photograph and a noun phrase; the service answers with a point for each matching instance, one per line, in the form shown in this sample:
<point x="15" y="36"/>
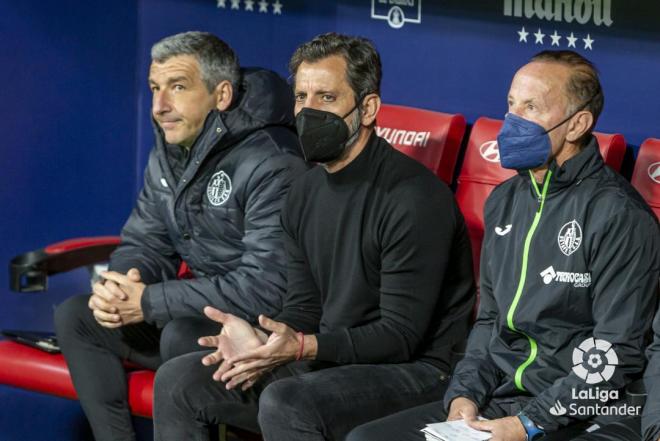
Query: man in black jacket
<point x="378" y="260"/>
<point x="224" y="158"/>
<point x="569" y="275"/>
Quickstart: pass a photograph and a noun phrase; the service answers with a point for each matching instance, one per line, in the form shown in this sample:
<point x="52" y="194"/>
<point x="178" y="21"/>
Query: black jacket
<point x="651" y="415"/>
<point x="580" y="262"/>
<point x="220" y="212"/>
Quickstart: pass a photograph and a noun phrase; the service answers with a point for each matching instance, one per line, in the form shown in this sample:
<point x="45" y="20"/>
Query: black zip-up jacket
<point x="572" y="259"/>
<point x="651" y="415"/>
<point x="218" y="210"/>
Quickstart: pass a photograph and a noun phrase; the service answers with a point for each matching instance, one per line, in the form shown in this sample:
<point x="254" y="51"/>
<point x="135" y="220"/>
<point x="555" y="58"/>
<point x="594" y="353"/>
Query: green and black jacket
<point x="573" y="258"/>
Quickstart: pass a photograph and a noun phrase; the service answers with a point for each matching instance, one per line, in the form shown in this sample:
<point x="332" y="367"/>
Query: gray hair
<point x="583" y="87"/>
<point x="217" y="60"/>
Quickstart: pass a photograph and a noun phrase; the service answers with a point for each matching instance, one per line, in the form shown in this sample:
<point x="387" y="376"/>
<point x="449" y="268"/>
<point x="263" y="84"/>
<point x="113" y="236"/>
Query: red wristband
<point x="302" y="345"/>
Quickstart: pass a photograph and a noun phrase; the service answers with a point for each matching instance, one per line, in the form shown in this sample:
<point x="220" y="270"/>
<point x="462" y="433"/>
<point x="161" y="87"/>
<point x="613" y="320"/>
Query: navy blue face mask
<point x="524" y="144"/>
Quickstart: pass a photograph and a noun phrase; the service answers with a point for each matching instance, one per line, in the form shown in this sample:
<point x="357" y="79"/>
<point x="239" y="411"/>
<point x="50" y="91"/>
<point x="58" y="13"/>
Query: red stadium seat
<point x="646" y="175"/>
<point x="481" y="172"/>
<point x="432" y="138"/>
<point x="29" y="368"/>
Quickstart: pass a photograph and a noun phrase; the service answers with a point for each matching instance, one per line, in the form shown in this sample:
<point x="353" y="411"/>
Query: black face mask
<point x="323" y="135"/>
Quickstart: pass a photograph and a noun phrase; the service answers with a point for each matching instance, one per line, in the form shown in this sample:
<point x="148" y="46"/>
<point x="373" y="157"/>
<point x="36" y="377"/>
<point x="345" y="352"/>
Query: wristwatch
<point x="533" y="431"/>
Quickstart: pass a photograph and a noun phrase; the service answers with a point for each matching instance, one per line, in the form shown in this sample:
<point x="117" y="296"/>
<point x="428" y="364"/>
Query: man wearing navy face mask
<point x="378" y="260"/>
<point x="568" y="293"/>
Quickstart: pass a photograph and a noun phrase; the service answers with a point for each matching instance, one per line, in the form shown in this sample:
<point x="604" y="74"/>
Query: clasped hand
<point x="116" y="301"/>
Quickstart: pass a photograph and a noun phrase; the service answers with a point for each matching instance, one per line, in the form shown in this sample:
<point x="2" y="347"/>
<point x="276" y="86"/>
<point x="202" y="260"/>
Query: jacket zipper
<point x="523" y="275"/>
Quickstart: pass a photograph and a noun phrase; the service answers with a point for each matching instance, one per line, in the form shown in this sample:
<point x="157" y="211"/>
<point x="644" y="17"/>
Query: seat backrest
<point x="481" y="172"/>
<point x="646" y="175"/>
<point x="432" y="138"/>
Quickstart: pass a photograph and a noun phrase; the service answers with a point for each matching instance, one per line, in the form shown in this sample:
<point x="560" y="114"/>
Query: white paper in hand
<point x="454" y="431"/>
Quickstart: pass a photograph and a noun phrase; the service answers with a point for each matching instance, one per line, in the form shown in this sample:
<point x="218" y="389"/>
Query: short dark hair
<point x="217" y="61"/>
<point x="363" y="67"/>
<point x="583" y="87"/>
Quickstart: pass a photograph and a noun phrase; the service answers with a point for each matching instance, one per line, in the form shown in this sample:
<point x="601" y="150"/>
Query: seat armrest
<point x="29" y="271"/>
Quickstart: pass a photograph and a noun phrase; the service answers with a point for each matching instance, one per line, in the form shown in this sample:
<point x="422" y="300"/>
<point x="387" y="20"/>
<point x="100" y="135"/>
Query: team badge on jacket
<point x="570" y="237"/>
<point x="219" y="188"/>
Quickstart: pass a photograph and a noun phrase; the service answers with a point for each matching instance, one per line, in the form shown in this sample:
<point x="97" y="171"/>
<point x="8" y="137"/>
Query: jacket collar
<point x="584" y="164"/>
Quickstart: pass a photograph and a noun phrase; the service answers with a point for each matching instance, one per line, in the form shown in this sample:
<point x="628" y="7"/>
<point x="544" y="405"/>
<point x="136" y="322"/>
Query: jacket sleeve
<point x="257" y="284"/>
<point x="476" y="376"/>
<point x="625" y="260"/>
<point x="145" y="242"/>
<point x="651" y="415"/>
<point x="416" y="242"/>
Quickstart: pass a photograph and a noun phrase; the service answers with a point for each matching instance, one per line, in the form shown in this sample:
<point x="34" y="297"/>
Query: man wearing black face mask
<point x="568" y="291"/>
<point x="378" y="260"/>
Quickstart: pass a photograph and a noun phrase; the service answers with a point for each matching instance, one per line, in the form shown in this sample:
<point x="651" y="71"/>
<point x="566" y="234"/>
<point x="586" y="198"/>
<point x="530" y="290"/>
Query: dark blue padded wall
<point x="68" y="93"/>
<point x="447" y="55"/>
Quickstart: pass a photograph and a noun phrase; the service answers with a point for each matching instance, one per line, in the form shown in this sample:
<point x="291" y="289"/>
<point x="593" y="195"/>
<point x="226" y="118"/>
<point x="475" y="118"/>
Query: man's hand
<point x="237" y="335"/>
<point x="462" y="408"/>
<point x="502" y="429"/>
<point x="282" y="346"/>
<point x="129" y="309"/>
<point x="105" y="297"/>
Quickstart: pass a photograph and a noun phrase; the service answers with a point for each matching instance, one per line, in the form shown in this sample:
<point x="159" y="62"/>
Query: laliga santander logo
<point x="594" y="360"/>
<point x="490" y="151"/>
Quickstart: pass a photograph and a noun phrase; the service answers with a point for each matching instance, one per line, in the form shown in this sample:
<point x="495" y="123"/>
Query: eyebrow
<point x="527" y="101"/>
<point x="171" y="80"/>
<point x="318" y="92"/>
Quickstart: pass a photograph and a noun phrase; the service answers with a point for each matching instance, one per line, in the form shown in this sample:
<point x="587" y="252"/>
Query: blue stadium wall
<point x="76" y="126"/>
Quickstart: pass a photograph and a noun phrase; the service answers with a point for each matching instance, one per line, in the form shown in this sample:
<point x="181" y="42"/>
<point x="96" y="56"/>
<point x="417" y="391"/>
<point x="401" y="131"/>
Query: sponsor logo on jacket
<point x="503" y="231"/>
<point x="579" y="280"/>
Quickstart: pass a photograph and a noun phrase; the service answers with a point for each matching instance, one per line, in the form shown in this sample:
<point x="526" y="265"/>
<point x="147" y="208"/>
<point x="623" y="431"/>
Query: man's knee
<point x="360" y="433"/>
<point x="70" y="314"/>
<point x="180" y="336"/>
<point x="177" y="385"/>
<point x="284" y="398"/>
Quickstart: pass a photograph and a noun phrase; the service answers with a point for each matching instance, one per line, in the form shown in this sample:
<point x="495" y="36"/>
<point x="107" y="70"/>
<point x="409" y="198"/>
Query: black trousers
<point x="406" y="425"/>
<point x="300" y="401"/>
<point x="95" y="357"/>
<point x="628" y="429"/>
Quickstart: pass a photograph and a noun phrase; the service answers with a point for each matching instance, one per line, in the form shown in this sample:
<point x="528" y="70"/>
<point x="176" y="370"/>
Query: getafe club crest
<point x="570" y="237"/>
<point x="219" y="188"/>
<point x="397" y="12"/>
